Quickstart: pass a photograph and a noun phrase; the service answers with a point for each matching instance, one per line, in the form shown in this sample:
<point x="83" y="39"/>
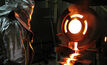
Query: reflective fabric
<point x="15" y="33"/>
<point x="23" y="10"/>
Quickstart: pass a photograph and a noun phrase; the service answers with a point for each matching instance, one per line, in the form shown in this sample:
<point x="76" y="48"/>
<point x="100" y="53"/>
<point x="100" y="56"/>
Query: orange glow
<point x="86" y="27"/>
<point x="30" y="15"/>
<point x="16" y="14"/>
<point x="75" y="26"/>
<point x="105" y="39"/>
<point x="65" y="26"/>
<point x="76" y="15"/>
<point x="70" y="45"/>
<point x="76" y="46"/>
<point x="31" y="46"/>
<point x="72" y="58"/>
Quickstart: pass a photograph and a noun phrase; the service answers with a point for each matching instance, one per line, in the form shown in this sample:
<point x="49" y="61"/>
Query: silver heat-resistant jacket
<point x="15" y="33"/>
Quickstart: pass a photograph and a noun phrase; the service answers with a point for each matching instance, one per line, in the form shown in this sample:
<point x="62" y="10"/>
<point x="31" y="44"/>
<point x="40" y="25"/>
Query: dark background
<point x="44" y="26"/>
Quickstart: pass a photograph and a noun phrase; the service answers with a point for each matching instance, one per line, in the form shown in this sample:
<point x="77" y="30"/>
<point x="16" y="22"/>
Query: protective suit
<point x="15" y="33"/>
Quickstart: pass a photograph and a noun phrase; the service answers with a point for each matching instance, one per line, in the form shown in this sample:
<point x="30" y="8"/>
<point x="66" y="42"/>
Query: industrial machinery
<point x="79" y="32"/>
<point x="75" y="29"/>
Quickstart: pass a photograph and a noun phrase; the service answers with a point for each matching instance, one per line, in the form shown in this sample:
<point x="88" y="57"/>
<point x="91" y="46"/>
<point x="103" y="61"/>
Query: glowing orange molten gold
<point x="71" y="60"/>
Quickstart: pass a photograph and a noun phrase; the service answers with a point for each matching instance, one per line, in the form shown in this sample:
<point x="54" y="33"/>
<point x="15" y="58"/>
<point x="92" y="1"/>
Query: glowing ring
<point x="77" y="15"/>
<point x="65" y="26"/>
<point x="86" y="27"/>
<point x="74" y="16"/>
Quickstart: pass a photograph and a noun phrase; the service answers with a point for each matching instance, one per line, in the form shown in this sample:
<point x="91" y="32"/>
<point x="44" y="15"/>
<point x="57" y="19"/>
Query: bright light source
<point x="72" y="58"/>
<point x="75" y="26"/>
<point x="86" y="27"/>
<point x="76" y="15"/>
<point x="65" y="26"/>
<point x="105" y="39"/>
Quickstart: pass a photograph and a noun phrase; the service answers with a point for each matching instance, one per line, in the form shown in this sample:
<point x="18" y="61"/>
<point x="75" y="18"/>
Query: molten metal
<point x="71" y="60"/>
